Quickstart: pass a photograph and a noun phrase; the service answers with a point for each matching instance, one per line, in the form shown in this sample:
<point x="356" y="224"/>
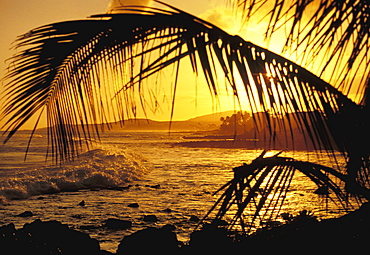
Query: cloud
<point x="254" y="31"/>
<point x="232" y="22"/>
<point x="224" y="18"/>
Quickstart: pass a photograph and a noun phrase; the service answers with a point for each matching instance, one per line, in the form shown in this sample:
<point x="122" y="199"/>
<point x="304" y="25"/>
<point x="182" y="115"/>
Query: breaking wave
<point x="98" y="168"/>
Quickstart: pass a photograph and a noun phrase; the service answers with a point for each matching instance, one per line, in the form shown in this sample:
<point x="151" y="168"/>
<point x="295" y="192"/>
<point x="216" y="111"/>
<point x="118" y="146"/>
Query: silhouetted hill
<point x="214" y="117"/>
<point x="152" y="125"/>
<point x="207" y="122"/>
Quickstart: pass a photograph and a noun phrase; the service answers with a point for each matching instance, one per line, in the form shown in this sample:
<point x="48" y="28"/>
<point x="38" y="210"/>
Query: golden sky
<point x="19" y="16"/>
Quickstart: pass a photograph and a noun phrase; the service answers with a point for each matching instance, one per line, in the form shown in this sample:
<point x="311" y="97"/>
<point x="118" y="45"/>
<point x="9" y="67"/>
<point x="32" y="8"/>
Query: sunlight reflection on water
<point x="179" y="185"/>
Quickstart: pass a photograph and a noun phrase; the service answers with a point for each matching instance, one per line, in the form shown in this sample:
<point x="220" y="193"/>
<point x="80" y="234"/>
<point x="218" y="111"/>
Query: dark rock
<point x="194" y="218"/>
<point x="8" y="239"/>
<point x="118" y="224"/>
<point x="106" y="253"/>
<point x="40" y="198"/>
<point x="168" y="210"/>
<point x="120" y="188"/>
<point x="348" y="234"/>
<point x="169" y="227"/>
<point x="213" y="238"/>
<point x="156" y="186"/>
<point x="7" y="230"/>
<point x="25" y="214"/>
<point x="89" y="227"/>
<point x="150" y="241"/>
<point x="114" y="188"/>
<point x="134" y="205"/>
<point x="82" y="203"/>
<point x="44" y="238"/>
<point x="150" y="218"/>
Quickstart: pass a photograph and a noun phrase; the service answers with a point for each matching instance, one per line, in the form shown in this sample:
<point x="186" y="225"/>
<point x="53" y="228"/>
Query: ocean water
<point x="152" y="169"/>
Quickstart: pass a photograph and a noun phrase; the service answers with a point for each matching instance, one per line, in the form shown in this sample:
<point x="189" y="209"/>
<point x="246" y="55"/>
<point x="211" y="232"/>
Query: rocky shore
<point x="302" y="234"/>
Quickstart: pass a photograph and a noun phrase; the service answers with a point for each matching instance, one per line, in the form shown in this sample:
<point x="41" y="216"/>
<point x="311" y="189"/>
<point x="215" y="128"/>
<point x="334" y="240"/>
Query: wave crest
<point x="98" y="168"/>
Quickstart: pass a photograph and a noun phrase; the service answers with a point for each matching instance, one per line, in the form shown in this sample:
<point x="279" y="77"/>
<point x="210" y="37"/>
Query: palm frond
<point x="70" y="71"/>
<point x="333" y="35"/>
<point x="259" y="189"/>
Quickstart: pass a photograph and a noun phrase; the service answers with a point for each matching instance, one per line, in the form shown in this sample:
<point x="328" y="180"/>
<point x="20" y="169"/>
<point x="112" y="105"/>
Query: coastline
<point x="197" y="170"/>
<point x="348" y="233"/>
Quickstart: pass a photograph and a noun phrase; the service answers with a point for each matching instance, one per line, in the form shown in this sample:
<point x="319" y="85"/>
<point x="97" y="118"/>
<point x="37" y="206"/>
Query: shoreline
<point x="348" y="233"/>
<point x="248" y="144"/>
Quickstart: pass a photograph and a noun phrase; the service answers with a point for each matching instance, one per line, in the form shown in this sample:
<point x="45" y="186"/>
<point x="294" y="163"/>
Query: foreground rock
<point x="150" y="241"/>
<point x="49" y="237"/>
<point x="150" y="218"/>
<point x="348" y="234"/>
<point x="301" y="234"/>
<point x="117" y="224"/>
<point x="25" y="214"/>
<point x="213" y="238"/>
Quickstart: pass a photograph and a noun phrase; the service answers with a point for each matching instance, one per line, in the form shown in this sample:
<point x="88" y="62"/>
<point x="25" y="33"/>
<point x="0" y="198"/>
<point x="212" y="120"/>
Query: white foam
<point x="99" y="168"/>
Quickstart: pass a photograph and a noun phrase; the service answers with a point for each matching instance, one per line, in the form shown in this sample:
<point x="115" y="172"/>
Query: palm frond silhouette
<point x="332" y="35"/>
<point x="258" y="190"/>
<point x="63" y="69"/>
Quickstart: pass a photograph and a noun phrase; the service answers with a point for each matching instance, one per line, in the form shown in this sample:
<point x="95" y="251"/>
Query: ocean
<point x="173" y="182"/>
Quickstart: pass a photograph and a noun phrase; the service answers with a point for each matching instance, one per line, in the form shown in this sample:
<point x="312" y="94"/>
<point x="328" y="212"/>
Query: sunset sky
<point x="20" y="16"/>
